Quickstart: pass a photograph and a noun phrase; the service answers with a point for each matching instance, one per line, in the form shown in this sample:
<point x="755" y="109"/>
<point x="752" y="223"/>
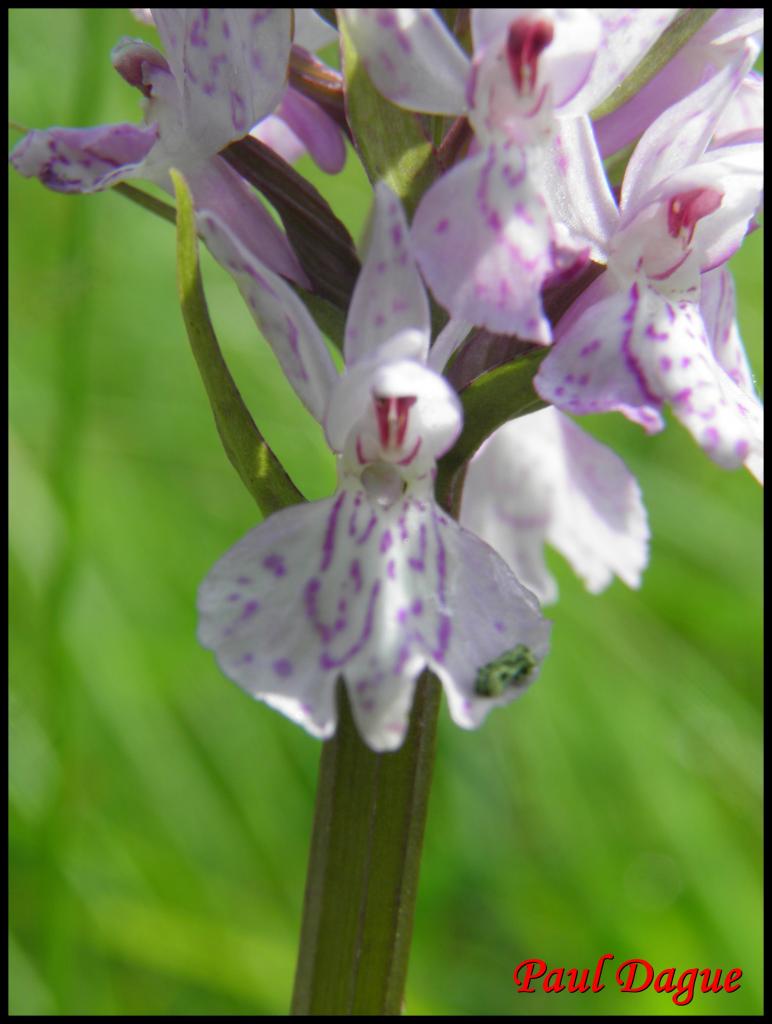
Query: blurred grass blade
<point x="261" y="472"/>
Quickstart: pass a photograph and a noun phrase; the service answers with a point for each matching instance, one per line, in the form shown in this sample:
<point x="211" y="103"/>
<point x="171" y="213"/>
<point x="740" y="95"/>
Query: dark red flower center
<point x="526" y="40"/>
<point x="685" y="209"/>
<point x="392" y="416"/>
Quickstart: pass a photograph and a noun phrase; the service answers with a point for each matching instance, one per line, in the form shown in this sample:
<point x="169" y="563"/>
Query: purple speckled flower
<point x="377" y="582"/>
<point x="542" y="480"/>
<point x="658" y="327"/>
<point x="224" y="70"/>
<point x="486" y="235"/>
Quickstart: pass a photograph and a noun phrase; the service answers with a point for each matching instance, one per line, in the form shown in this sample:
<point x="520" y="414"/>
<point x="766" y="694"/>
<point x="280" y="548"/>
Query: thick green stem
<point x="363" y="867"/>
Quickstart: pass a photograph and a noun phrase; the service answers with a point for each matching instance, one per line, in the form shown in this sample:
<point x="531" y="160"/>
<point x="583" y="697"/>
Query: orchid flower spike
<point x="376" y="583"/>
<point x="224" y="71"/>
<point x="658" y="327"/>
<point x="486" y="236"/>
<point x="541" y="479"/>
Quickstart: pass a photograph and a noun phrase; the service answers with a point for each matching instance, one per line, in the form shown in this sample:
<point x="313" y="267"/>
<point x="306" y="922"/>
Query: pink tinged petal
<point x="593" y="367"/>
<point x="317" y="132"/>
<point x="217" y="187"/>
<point x="484" y="241"/>
<point x="281" y="316"/>
<point x="277" y="134"/>
<point x="490" y="25"/>
<point x="132" y="58"/>
<point x="231" y="65"/>
<point x="493" y="615"/>
<point x="83" y="159"/>
<point x="709" y="48"/>
<point x="447" y="341"/>
<point x="743" y="118"/>
<point x="577" y="187"/>
<point x="681" y="134"/>
<point x="389" y="296"/>
<point x="627" y="33"/>
<point x="738" y="172"/>
<point x="365" y="594"/>
<point x="693" y="220"/>
<point x="411" y="56"/>
<point x="540" y="479"/>
<point x="311" y="30"/>
<point x="717" y="308"/>
<point x="673" y="350"/>
<point x="600" y="524"/>
<point x="507" y="502"/>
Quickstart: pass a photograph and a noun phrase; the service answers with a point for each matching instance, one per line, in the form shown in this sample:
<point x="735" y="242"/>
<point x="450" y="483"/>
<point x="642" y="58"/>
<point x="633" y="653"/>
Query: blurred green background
<point x="160" y="819"/>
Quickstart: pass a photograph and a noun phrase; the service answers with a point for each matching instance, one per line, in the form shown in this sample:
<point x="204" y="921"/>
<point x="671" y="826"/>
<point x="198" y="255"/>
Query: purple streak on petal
<point x="83" y="159"/>
<point x="327" y="661"/>
<point x="419" y="563"/>
<point x="368" y="530"/>
<point x="355" y="572"/>
<point x="275" y="563"/>
<point x="328" y="549"/>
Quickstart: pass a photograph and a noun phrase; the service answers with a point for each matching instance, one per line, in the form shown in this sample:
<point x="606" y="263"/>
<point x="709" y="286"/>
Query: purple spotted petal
<point x="411" y="57"/>
<point x="485" y="243"/>
<point x="492" y="614"/>
<point x="315" y="131"/>
<point x="230" y="64"/>
<point x="674" y="353"/>
<point x="541" y="480"/>
<point x="83" y="159"/>
<point x="347" y="587"/>
<point x="594" y="367"/>
<point x="389" y="296"/>
<point x="717" y="308"/>
<point x="283" y="319"/>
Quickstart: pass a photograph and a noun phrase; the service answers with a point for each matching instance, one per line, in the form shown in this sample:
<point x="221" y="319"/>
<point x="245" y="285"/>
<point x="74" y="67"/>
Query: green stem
<point x="363" y="866"/>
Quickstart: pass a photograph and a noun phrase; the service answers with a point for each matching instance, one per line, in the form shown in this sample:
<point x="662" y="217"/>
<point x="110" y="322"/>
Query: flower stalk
<point x="363" y="866"/>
